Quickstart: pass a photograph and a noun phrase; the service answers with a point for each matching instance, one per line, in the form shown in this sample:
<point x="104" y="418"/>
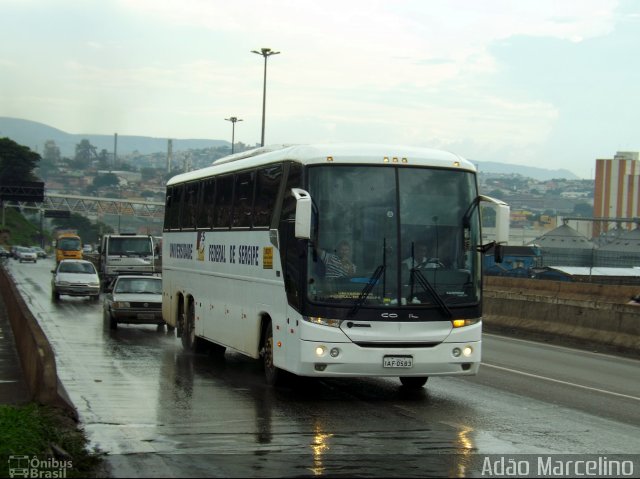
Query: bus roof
<point x="344" y="153"/>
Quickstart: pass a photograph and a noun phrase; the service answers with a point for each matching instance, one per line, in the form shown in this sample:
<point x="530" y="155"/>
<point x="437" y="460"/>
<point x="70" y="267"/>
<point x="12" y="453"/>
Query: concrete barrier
<point x="36" y="355"/>
<point x="593" y="313"/>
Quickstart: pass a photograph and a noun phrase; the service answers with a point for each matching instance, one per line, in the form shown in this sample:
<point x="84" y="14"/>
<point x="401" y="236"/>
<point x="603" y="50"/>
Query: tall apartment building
<point x="617" y="190"/>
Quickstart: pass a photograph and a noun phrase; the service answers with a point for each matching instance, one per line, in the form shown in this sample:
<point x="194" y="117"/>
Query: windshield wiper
<point x="424" y="282"/>
<point x="366" y="290"/>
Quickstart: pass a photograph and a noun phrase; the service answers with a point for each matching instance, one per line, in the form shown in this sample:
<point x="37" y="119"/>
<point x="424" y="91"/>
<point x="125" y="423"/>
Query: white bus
<point x="252" y="260"/>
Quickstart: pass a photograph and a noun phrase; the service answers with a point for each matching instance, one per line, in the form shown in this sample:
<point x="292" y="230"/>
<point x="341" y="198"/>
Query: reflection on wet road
<point x="161" y="412"/>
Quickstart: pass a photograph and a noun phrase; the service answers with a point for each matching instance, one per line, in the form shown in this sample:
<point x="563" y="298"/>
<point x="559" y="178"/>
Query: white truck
<point x="125" y="253"/>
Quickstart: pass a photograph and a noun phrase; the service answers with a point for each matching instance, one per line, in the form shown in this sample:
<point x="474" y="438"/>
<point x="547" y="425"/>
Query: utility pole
<point x="266" y="53"/>
<point x="233" y="121"/>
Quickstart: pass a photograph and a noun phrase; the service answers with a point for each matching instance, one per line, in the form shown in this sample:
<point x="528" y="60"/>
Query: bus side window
<point x="205" y="219"/>
<point x="224" y="197"/>
<point x="267" y="187"/>
<point x="175" y="205"/>
<point x="190" y="210"/>
<point x="243" y="200"/>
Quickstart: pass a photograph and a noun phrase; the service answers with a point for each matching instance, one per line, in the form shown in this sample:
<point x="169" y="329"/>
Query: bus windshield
<point x="69" y="243"/>
<point x="393" y="236"/>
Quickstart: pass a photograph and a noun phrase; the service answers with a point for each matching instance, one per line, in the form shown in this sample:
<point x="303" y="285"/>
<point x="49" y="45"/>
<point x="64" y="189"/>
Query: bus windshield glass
<point x="71" y="243"/>
<point x="393" y="236"/>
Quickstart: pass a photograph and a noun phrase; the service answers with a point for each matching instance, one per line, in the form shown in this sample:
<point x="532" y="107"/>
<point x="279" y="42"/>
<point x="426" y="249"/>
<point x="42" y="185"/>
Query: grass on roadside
<point x="43" y="432"/>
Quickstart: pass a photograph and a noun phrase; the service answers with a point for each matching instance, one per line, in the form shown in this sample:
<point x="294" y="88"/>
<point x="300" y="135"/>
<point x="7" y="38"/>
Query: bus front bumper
<point x="350" y="360"/>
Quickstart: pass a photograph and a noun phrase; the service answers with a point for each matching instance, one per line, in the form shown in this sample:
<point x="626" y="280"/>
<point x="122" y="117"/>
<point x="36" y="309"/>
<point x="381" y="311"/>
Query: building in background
<point x="617" y="192"/>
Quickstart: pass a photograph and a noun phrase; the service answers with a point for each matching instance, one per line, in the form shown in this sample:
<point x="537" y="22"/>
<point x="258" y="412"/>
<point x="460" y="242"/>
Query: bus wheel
<point x="413" y="382"/>
<point x="189" y="328"/>
<point x="272" y="374"/>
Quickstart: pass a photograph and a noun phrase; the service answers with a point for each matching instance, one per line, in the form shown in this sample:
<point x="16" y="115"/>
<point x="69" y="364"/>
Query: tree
<point x="85" y="154"/>
<point x="17" y="162"/>
<point x="51" y="152"/>
<point x="103" y="159"/>
<point x="47" y="168"/>
<point x="50" y="160"/>
<point x="108" y="179"/>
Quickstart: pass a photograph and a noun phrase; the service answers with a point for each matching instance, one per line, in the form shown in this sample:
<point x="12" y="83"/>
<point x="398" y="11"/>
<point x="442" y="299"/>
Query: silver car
<point x="75" y="277"/>
<point x="26" y="254"/>
<point x="39" y="251"/>
<point x="134" y="299"/>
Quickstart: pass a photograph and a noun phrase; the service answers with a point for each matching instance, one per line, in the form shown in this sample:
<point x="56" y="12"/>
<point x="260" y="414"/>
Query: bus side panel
<point x="287" y="357"/>
<point x="167" y="299"/>
<point x="214" y="291"/>
<point x="228" y="274"/>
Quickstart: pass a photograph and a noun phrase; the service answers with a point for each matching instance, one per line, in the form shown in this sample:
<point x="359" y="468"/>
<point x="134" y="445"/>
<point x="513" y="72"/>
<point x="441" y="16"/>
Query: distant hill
<point x="34" y="135"/>
<point x="540" y="174"/>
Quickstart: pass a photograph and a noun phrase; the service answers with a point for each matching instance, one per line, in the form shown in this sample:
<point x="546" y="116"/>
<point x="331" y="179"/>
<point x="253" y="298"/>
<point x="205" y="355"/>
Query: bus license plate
<point x="397" y="362"/>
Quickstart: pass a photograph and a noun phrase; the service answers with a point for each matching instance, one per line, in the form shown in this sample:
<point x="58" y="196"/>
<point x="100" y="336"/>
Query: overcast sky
<point x="547" y="83"/>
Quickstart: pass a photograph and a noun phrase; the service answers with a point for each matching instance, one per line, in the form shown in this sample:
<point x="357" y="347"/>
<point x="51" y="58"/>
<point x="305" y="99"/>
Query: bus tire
<point x="413" y="382"/>
<point x="189" y="328"/>
<point x="273" y="375"/>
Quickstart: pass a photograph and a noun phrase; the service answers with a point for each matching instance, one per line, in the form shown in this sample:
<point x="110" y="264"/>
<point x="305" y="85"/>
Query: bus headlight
<point x="320" y="350"/>
<point x="466" y="351"/>
<point x="334" y="323"/>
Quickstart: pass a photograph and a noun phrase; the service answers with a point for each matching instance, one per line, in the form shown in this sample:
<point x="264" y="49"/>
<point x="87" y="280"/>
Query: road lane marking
<point x="566" y="348"/>
<point x="561" y="382"/>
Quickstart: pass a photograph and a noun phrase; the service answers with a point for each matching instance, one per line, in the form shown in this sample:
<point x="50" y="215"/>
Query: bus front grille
<point x="395" y="345"/>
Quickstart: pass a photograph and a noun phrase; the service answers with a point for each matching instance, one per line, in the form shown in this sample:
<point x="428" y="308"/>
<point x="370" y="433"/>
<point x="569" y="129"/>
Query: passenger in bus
<point x="338" y="265"/>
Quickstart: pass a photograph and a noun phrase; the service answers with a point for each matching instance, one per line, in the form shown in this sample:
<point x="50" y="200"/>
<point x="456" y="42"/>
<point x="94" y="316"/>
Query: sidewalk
<point x="13" y="388"/>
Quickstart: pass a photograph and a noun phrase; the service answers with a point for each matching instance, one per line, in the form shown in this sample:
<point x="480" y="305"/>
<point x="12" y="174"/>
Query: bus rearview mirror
<point x="303" y="213"/>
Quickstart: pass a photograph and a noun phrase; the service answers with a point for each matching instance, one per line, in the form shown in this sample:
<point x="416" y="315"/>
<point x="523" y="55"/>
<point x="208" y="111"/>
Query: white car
<point x="75" y="277"/>
<point x="26" y="254"/>
<point x="39" y="251"/>
<point x="87" y="248"/>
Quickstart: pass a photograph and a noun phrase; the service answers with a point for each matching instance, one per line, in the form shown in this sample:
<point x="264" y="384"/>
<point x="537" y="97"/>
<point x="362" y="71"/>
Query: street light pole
<point x="266" y="53"/>
<point x="233" y="121"/>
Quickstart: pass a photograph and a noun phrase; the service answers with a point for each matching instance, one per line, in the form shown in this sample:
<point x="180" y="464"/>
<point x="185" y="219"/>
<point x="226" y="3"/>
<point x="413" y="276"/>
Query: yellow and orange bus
<point x="68" y="246"/>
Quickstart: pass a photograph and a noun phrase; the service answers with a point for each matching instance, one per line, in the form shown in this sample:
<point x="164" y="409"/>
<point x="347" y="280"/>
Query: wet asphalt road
<point x="159" y="412"/>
